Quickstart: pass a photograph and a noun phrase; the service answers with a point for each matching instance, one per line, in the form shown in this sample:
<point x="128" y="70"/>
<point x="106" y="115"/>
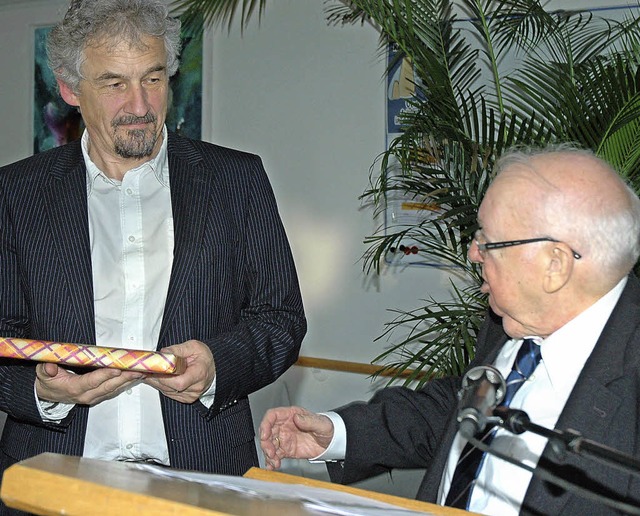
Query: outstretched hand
<point x="295" y="433"/>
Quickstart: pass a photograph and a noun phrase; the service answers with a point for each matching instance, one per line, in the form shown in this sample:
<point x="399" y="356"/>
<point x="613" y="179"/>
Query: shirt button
<point x="129" y="391"/>
<point x="132" y="238"/>
<point x="129" y="191"/>
<point x="129" y="446"/>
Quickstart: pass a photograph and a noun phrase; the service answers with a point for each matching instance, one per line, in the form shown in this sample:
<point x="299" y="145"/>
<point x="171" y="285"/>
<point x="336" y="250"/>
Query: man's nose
<point x="137" y="102"/>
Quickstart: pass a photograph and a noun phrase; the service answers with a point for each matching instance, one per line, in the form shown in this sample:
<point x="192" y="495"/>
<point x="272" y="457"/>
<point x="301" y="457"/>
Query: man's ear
<point x="67" y="93"/>
<point x="559" y="268"/>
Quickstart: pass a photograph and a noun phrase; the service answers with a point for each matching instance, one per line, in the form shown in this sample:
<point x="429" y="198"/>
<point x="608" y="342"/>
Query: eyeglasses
<point x="487" y="246"/>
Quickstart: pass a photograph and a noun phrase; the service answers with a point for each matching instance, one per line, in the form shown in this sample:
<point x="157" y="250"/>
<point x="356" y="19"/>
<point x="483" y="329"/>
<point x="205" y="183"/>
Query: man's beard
<point x="136" y="143"/>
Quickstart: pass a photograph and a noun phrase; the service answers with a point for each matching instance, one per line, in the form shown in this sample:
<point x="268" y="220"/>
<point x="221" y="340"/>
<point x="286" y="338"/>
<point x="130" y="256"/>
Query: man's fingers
<point x="49" y="369"/>
<point x="315" y="423"/>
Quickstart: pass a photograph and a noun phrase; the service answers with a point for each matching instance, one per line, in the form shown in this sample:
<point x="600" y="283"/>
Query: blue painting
<point x="56" y="123"/>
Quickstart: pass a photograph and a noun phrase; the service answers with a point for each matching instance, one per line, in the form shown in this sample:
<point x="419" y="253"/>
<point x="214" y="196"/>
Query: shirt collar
<point x="159" y="164"/>
<point x="565" y="351"/>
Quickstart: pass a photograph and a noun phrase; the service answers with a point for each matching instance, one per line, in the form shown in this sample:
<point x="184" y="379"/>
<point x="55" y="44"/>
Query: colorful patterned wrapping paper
<point x="91" y="356"/>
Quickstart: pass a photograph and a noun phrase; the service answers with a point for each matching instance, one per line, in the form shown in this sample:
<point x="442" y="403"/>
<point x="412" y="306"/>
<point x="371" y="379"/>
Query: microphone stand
<point x="518" y="422"/>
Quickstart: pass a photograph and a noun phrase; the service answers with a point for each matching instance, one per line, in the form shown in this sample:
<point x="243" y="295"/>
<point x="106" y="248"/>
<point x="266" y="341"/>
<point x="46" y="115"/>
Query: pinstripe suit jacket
<point x="402" y="428"/>
<point x="233" y="286"/>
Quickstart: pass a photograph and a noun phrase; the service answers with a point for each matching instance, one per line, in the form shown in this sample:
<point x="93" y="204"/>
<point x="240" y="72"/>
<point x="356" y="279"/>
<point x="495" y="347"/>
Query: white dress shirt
<point x="501" y="486"/>
<point x="131" y="236"/>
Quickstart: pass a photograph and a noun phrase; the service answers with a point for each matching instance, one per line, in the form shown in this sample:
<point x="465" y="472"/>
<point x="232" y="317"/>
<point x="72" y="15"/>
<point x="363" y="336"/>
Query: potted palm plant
<point x="488" y="75"/>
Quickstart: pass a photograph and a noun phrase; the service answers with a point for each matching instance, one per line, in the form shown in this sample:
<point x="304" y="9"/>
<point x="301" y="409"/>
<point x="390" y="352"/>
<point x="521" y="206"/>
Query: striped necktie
<point x="471" y="457"/>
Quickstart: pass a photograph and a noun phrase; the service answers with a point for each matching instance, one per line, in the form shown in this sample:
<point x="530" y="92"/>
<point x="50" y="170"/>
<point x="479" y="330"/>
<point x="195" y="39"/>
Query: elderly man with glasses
<point x="558" y="239"/>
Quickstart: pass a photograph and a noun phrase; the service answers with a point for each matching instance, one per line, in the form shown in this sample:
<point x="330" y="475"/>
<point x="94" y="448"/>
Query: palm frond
<point x="574" y="79"/>
<point x="196" y="14"/>
<point x="440" y="337"/>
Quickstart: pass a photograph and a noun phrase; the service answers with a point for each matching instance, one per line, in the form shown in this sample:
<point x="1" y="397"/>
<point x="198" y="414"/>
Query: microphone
<point x="483" y="388"/>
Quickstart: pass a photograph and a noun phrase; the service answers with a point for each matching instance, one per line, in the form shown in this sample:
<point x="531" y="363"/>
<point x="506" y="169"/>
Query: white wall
<point x="309" y="98"/>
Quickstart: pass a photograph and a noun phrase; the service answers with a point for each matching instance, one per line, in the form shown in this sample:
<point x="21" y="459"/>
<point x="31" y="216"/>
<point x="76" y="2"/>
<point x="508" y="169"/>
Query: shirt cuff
<point x="337" y="448"/>
<point x="208" y="397"/>
<point x="52" y="411"/>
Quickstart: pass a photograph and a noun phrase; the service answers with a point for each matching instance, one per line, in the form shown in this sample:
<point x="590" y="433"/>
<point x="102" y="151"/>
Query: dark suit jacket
<point x="233" y="286"/>
<point x="402" y="428"/>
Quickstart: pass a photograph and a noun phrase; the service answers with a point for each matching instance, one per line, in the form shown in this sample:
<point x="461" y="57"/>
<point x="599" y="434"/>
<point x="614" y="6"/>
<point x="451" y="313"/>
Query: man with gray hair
<point x="559" y="233"/>
<point x="135" y="237"/>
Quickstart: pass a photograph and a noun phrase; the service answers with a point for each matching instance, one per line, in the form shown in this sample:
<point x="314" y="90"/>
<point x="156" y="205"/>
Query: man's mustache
<point x="127" y="120"/>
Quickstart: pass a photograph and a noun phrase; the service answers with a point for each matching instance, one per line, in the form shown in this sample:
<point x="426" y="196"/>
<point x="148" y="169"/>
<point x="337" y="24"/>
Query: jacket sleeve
<point x="17" y="377"/>
<point x="250" y="296"/>
<point x="397" y="428"/>
<point x="403" y="428"/>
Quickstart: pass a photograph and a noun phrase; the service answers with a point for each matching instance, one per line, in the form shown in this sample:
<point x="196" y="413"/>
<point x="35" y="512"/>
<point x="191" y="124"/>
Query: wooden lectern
<point x="52" y="484"/>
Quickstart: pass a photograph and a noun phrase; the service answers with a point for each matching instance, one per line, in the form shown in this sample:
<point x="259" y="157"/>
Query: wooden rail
<point x="353" y="367"/>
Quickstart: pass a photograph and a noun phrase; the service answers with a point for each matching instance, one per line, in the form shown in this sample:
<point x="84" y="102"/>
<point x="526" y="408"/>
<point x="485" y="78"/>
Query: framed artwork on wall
<point x="56" y="123"/>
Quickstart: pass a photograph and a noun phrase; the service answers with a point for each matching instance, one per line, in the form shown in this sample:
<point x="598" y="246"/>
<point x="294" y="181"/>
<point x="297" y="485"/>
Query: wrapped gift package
<point x="91" y="356"/>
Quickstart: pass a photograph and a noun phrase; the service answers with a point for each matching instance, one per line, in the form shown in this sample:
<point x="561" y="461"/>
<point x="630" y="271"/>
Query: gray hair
<point x="93" y="21"/>
<point x="608" y="231"/>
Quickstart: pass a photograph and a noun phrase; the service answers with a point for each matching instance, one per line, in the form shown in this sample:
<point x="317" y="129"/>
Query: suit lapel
<point x="591" y="403"/>
<point x="65" y="204"/>
<point x="189" y="195"/>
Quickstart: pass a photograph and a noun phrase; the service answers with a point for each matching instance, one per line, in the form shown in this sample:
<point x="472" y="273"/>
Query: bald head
<point x="573" y="196"/>
<point x="565" y="230"/>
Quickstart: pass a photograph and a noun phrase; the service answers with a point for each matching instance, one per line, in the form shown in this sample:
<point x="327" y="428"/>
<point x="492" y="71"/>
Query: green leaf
<point x="216" y="12"/>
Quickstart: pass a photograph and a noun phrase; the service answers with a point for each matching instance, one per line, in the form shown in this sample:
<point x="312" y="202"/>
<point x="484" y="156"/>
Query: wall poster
<point x="403" y="211"/>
